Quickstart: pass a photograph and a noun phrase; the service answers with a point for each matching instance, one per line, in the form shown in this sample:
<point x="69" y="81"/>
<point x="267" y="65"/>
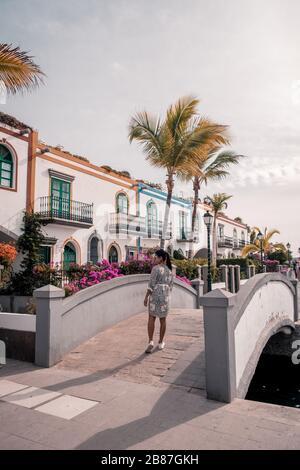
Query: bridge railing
<point x="238" y="326"/>
<point x="64" y="323"/>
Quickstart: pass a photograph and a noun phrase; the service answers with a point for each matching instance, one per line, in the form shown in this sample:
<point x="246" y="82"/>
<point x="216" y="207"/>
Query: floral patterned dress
<point x="160" y="285"/>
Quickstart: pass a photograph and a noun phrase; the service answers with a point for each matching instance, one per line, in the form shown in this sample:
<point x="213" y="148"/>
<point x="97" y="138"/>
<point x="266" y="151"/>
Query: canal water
<point x="276" y="380"/>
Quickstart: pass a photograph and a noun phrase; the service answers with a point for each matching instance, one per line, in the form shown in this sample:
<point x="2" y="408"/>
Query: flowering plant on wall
<point x="8" y="254"/>
<point x="271" y="264"/>
<point x="88" y="275"/>
<point x="184" y="279"/>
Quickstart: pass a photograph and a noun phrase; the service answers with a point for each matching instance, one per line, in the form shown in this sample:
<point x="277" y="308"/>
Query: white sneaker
<point x="161" y="346"/>
<point x="149" y="348"/>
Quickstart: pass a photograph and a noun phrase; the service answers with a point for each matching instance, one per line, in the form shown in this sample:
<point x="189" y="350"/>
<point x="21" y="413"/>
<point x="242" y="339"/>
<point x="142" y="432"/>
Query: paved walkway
<point x="106" y="394"/>
<point x="119" y="352"/>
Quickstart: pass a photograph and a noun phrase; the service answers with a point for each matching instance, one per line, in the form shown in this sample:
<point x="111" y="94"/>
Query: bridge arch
<point x="237" y="328"/>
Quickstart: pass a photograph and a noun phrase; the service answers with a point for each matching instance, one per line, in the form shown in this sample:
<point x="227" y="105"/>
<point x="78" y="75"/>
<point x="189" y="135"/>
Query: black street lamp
<point x="208" y="221"/>
<point x="288" y="245"/>
<point x="259" y="236"/>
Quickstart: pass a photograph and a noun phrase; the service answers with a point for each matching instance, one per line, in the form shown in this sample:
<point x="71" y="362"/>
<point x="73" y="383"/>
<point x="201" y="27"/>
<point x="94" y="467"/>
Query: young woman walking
<point x="158" y="296"/>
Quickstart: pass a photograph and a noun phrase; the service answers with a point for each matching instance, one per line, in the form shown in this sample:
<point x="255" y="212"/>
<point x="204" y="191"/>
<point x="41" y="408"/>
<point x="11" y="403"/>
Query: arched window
<point x="152" y="221"/>
<point x="69" y="255"/>
<point x="122" y="203"/>
<point x="6" y="167"/>
<point x="113" y="256"/>
<point x="94" y="243"/>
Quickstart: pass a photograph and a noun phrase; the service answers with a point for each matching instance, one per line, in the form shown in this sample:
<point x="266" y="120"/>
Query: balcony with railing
<point x="230" y="242"/>
<point x="65" y="211"/>
<point x="242" y="244"/>
<point x="154" y="230"/>
<point x="225" y="242"/>
<point x="137" y="226"/>
<point x="127" y="224"/>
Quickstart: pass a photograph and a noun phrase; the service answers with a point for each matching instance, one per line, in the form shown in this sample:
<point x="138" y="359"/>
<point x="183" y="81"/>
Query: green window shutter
<point x="45" y="254"/>
<point x="6" y="167"/>
<point x="60" y="198"/>
<point x="69" y="255"/>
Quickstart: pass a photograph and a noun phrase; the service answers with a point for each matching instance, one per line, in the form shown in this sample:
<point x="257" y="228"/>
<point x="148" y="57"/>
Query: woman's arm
<point x="151" y="285"/>
<point x="147" y="297"/>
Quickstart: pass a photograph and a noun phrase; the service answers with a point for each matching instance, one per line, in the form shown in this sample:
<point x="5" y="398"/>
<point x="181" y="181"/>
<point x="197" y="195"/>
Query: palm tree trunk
<point x="170" y="186"/>
<point x="214" y="240"/>
<point x="196" y="187"/>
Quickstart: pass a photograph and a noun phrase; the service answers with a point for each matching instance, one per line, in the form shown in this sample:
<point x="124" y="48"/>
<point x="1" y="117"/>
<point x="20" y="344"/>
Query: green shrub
<point x="136" y="266"/>
<point x="279" y="255"/>
<point x="186" y="268"/>
<point x="177" y="255"/>
<point x="25" y="282"/>
<point x="242" y="262"/>
<point x="189" y="268"/>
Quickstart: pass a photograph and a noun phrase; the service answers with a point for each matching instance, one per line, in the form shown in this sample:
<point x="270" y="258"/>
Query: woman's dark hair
<point x="165" y="256"/>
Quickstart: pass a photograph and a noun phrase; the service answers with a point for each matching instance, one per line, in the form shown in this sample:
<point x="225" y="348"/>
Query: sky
<point x="104" y="60"/>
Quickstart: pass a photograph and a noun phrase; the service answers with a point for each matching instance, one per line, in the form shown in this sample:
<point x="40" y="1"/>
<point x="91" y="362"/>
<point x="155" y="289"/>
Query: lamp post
<point x="208" y="221"/>
<point x="260" y="238"/>
<point x="288" y="245"/>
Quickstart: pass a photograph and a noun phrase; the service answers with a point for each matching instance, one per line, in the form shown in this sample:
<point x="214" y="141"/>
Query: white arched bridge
<point x="237" y="328"/>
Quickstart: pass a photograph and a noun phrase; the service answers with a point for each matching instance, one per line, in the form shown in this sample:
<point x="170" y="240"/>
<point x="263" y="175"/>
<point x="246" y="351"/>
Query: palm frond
<point x="180" y="113"/>
<point x="271" y="233"/>
<point x="17" y="70"/>
<point x="192" y="149"/>
<point x="218" y="202"/>
<point x="249" y="249"/>
<point x="145" y="129"/>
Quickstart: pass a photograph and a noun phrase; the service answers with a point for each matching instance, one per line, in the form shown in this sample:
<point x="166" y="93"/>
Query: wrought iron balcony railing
<point x="224" y="241"/>
<point x="127" y="223"/>
<point x="242" y="243"/>
<point x="135" y="225"/>
<point x="66" y="211"/>
<point x="154" y="230"/>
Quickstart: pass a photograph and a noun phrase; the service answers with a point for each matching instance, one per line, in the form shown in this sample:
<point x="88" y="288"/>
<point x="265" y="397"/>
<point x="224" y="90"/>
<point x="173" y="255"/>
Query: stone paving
<point x="119" y="351"/>
<point x="107" y="394"/>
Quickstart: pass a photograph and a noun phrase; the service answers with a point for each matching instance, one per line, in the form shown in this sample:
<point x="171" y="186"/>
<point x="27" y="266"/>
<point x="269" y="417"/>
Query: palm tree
<point x="213" y="166"/>
<point x="267" y="245"/>
<point x="217" y="203"/>
<point x="18" y="72"/>
<point x="173" y="142"/>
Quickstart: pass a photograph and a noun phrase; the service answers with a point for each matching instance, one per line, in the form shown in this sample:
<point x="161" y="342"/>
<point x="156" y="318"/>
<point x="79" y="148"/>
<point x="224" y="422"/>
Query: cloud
<point x="117" y="68"/>
<point x="263" y="171"/>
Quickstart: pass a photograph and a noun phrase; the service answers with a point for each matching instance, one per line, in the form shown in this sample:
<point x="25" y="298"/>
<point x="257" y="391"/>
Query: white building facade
<point x="92" y="213"/>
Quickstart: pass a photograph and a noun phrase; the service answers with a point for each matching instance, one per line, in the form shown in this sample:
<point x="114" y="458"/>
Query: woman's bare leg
<point x="163" y="325"/>
<point x="151" y="325"/>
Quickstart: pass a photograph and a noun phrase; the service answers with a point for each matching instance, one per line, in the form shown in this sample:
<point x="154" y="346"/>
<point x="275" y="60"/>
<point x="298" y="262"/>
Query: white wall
<point x="17" y="321"/>
<point x="273" y="300"/>
<point x="88" y="189"/>
<point x="12" y="203"/>
<point x="176" y="208"/>
<point x="229" y="227"/>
